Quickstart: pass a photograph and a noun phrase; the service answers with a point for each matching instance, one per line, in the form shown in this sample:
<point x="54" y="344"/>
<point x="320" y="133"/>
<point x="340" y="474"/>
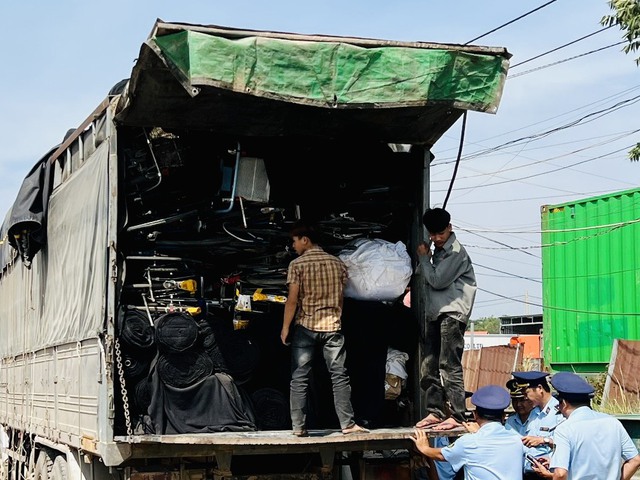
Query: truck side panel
<point x="53" y="315"/>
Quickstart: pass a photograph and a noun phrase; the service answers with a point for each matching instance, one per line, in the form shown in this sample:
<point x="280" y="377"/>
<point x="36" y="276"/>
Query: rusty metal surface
<point x="490" y="365"/>
<point x="273" y="442"/>
<point x="622" y="386"/>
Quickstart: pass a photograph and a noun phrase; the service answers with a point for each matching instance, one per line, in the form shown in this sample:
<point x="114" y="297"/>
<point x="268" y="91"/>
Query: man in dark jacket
<point x="451" y="287"/>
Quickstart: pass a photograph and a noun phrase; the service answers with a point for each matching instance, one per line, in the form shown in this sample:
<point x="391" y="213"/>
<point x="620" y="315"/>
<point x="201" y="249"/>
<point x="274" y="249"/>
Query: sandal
<point x="301" y="433"/>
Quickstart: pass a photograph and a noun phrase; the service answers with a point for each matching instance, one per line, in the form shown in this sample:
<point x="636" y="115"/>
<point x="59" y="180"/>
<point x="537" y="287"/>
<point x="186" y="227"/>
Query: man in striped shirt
<point x="316" y="282"/>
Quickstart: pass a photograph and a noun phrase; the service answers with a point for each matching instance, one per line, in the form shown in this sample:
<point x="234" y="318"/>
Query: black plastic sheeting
<point x="271" y="409"/>
<point x="181" y="370"/>
<point x="176" y="332"/>
<point x="189" y="410"/>
<point x="25" y="223"/>
<point x="136" y="331"/>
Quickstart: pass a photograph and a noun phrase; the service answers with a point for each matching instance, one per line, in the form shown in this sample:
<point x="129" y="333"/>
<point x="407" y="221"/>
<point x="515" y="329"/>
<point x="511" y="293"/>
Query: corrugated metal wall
<point x="622" y="387"/>
<point x="591" y="279"/>
<point x="490" y="365"/>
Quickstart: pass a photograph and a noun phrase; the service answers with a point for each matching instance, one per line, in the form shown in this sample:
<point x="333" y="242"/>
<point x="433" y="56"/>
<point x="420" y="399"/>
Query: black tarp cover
<point x="24" y="227"/>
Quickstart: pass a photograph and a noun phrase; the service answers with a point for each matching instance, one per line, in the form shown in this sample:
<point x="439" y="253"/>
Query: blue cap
<point x="569" y="384"/>
<point x="531" y="378"/>
<point x="491" y="397"/>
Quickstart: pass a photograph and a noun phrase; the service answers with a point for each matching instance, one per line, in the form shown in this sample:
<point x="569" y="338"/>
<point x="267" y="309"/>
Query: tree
<point x="488" y="324"/>
<point x="627" y="16"/>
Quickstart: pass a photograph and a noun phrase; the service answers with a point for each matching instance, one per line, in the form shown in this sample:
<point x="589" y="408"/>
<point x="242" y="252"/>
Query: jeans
<point x="444" y="344"/>
<point x="303" y="346"/>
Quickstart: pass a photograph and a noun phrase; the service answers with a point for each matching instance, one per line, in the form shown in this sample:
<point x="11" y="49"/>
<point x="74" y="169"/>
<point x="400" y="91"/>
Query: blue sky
<point x="61" y="58"/>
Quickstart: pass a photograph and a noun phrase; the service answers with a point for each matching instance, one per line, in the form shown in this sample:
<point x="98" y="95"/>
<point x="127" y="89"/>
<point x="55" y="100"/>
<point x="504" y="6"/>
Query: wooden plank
<point x="272" y="442"/>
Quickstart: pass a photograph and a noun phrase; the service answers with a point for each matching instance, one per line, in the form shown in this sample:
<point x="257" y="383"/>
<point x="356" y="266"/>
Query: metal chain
<point x="123" y="388"/>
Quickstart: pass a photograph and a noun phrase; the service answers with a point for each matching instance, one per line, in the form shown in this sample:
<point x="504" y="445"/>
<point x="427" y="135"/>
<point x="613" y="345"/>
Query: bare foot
<point x="428" y="421"/>
<point x="355" y="428"/>
<point x="449" y="424"/>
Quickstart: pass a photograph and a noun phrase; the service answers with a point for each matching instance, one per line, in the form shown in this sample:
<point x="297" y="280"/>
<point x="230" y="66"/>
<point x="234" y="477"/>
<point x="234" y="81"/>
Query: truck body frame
<point x="66" y="400"/>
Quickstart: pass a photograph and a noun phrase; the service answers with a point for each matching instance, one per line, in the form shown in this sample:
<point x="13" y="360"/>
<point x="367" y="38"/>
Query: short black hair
<point x="540" y="383"/>
<point x="302" y="228"/>
<point x="576" y="400"/>
<point x="436" y="220"/>
<point x="491" y="415"/>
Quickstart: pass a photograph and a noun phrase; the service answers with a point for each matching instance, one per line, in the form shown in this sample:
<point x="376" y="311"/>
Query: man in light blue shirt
<point x="539" y="438"/>
<point x="524" y="409"/>
<point x="444" y="468"/>
<point x="493" y="452"/>
<point x="589" y="445"/>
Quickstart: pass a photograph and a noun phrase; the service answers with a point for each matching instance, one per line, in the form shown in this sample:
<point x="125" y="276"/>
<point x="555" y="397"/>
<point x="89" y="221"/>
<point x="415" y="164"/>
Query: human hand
<point x="424" y="248"/>
<point x="420" y="440"/>
<point x="284" y="333"/>
<point x="531" y="441"/>
<point x="472" y="427"/>
<point x="540" y="465"/>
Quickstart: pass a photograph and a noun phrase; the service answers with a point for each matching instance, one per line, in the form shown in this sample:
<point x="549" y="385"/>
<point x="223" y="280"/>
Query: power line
<point x="560" y="47"/>
<point x="548" y="171"/>
<point x="455" y="169"/>
<point x="509" y="247"/>
<point x="546" y="160"/>
<point x="624" y="103"/>
<point x="525" y="199"/>
<point x="561" y="309"/>
<point x="507" y="273"/>
<point x="602" y="100"/>
<point x="510" y="22"/>
<point x="563" y="230"/>
<point x="519" y="74"/>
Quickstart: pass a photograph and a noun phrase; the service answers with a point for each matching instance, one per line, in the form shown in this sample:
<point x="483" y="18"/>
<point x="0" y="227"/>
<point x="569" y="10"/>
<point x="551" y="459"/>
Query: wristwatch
<point x="546" y="440"/>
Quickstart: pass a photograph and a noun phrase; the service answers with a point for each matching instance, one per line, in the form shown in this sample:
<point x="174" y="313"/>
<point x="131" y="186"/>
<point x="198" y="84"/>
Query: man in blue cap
<point x="493" y="452"/>
<point x="588" y="444"/>
<point x="539" y="438"/>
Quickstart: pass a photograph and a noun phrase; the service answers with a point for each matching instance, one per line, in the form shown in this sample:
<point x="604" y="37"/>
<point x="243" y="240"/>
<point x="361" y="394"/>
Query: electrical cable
<point x="509" y="247"/>
<point x="507" y="273"/>
<point x="533" y="175"/>
<point x="525" y="199"/>
<point x="563" y="230"/>
<point x="560" y="309"/>
<point x="622" y="104"/>
<point x="519" y="74"/>
<point x="455" y="169"/>
<point x="509" y="132"/>
<point x="510" y="22"/>
<point x="559" y="48"/>
<point x="546" y="160"/>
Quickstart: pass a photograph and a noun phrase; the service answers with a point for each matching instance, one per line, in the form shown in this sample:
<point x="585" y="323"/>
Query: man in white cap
<point x="493" y="452"/>
<point x="588" y="444"/>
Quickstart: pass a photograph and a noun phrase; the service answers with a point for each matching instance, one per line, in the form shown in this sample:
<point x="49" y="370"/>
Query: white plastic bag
<point x="378" y="269"/>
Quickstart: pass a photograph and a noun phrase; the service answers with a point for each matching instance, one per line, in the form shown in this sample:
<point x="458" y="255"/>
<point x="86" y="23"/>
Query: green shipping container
<point x="590" y="279"/>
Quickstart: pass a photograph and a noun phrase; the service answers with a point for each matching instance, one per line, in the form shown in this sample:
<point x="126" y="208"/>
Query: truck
<point x="143" y="263"/>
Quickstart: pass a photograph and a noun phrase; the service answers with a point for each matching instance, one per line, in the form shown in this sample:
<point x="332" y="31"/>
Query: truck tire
<point x="44" y="466"/>
<point x="60" y="470"/>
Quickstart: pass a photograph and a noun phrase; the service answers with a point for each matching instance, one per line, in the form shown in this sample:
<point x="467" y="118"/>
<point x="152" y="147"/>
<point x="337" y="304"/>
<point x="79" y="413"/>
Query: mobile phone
<point x="531" y="458"/>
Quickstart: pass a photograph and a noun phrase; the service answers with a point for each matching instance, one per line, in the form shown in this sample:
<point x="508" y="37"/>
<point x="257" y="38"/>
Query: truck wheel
<point x="44" y="466"/>
<point x="59" y="471"/>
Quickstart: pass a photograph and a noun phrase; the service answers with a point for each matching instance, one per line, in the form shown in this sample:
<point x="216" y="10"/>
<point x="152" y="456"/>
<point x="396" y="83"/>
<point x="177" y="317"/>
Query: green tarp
<point x="335" y="74"/>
